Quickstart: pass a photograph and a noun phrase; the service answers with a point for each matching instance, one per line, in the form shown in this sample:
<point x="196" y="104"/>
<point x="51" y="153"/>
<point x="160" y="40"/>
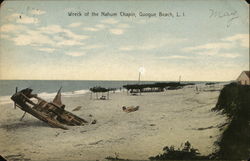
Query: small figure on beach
<point x="130" y="109"/>
<point x="197" y="90"/>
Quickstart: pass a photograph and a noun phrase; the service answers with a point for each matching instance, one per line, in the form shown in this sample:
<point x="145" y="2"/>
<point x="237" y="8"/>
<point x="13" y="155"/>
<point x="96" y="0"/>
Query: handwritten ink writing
<point x="230" y="16"/>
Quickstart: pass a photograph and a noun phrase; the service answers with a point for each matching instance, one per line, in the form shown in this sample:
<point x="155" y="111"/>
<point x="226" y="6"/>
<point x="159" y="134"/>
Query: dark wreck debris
<point x="211" y="83"/>
<point x="101" y="89"/>
<point x="2" y="158"/>
<point x="77" y="108"/>
<point x="155" y="87"/>
<point x="130" y="109"/>
<point x="52" y="113"/>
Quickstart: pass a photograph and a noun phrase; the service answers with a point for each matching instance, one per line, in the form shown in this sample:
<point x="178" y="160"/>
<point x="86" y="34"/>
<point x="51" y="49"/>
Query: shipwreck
<point x="53" y="113"/>
<point x="154" y="87"/>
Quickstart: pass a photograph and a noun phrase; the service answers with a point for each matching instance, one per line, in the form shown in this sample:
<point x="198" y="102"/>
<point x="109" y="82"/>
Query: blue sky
<point x="40" y="41"/>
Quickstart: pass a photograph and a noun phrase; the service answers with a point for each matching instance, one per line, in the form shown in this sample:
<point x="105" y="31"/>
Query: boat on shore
<point x="53" y="113"/>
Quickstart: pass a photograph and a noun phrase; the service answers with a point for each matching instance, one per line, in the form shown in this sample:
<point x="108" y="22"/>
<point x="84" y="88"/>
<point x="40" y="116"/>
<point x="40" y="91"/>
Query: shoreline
<point x="164" y="118"/>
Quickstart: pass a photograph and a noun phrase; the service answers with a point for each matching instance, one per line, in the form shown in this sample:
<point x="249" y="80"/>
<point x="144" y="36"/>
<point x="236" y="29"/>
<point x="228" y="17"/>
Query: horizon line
<point x="113" y="80"/>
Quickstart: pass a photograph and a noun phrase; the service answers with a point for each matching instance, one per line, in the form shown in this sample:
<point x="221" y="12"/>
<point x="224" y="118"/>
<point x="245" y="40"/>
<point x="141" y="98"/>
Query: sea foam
<point x="46" y="96"/>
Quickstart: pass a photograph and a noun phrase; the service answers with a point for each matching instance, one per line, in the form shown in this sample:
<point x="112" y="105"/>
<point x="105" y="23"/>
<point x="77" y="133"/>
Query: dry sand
<point x="167" y="118"/>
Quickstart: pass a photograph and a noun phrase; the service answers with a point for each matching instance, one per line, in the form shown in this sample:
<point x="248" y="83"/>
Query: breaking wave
<point x="5" y="100"/>
<point x="47" y="96"/>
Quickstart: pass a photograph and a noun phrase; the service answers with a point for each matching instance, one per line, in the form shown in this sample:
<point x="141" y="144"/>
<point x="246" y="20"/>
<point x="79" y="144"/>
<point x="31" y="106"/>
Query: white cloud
<point x="52" y="29"/>
<point x="207" y="53"/>
<point x="32" y="38"/>
<point x="110" y="21"/>
<point x="127" y="48"/>
<point x="153" y="43"/>
<point x="48" y="50"/>
<point x="216" y="48"/>
<point x="140" y="47"/>
<point x="52" y="35"/>
<point x="90" y="29"/>
<point x="11" y="28"/>
<point x="22" y="40"/>
<point x="72" y="35"/>
<point x="23" y="19"/>
<point x="69" y="43"/>
<point x="175" y="57"/>
<point x="217" y="53"/>
<point x="100" y="26"/>
<point x="92" y="47"/>
<point x="229" y="55"/>
<point x="37" y="12"/>
<point x="75" y="54"/>
<point x="76" y="24"/>
<point x="242" y="38"/>
<point x="4" y="36"/>
<point x="213" y="46"/>
<point x="117" y="31"/>
<point x="123" y="25"/>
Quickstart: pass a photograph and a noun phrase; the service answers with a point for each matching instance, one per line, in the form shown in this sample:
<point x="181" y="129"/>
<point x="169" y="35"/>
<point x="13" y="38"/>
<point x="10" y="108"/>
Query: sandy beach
<point x="165" y="118"/>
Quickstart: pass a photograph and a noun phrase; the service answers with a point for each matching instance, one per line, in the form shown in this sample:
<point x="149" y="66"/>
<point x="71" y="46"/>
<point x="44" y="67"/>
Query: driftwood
<point x="52" y="113"/>
<point x="130" y="109"/>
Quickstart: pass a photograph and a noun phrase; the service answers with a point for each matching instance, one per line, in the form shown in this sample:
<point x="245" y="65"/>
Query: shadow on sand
<point x="23" y="124"/>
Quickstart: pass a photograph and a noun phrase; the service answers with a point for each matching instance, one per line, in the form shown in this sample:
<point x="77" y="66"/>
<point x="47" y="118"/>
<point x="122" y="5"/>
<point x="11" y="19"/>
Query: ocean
<point x="48" y="88"/>
<point x="7" y="87"/>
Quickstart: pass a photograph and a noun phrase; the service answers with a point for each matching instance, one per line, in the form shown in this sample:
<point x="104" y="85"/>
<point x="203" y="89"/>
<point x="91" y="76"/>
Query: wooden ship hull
<point x="52" y="113"/>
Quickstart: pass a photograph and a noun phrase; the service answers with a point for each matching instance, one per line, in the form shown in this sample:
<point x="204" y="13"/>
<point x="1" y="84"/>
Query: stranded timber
<point x="52" y="113"/>
<point x="155" y="87"/>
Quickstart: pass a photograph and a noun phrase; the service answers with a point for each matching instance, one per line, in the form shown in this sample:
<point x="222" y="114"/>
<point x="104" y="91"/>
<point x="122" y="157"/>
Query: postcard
<point x="124" y="80"/>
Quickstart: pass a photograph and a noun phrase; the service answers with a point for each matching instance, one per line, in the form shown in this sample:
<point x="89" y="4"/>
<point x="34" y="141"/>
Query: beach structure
<point x="102" y="90"/>
<point x="154" y="87"/>
<point x="52" y="113"/>
<point x="244" y="78"/>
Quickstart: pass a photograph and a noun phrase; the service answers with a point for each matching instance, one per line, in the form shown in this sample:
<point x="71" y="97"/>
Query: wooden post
<point x="15" y="102"/>
<point x="23" y="116"/>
